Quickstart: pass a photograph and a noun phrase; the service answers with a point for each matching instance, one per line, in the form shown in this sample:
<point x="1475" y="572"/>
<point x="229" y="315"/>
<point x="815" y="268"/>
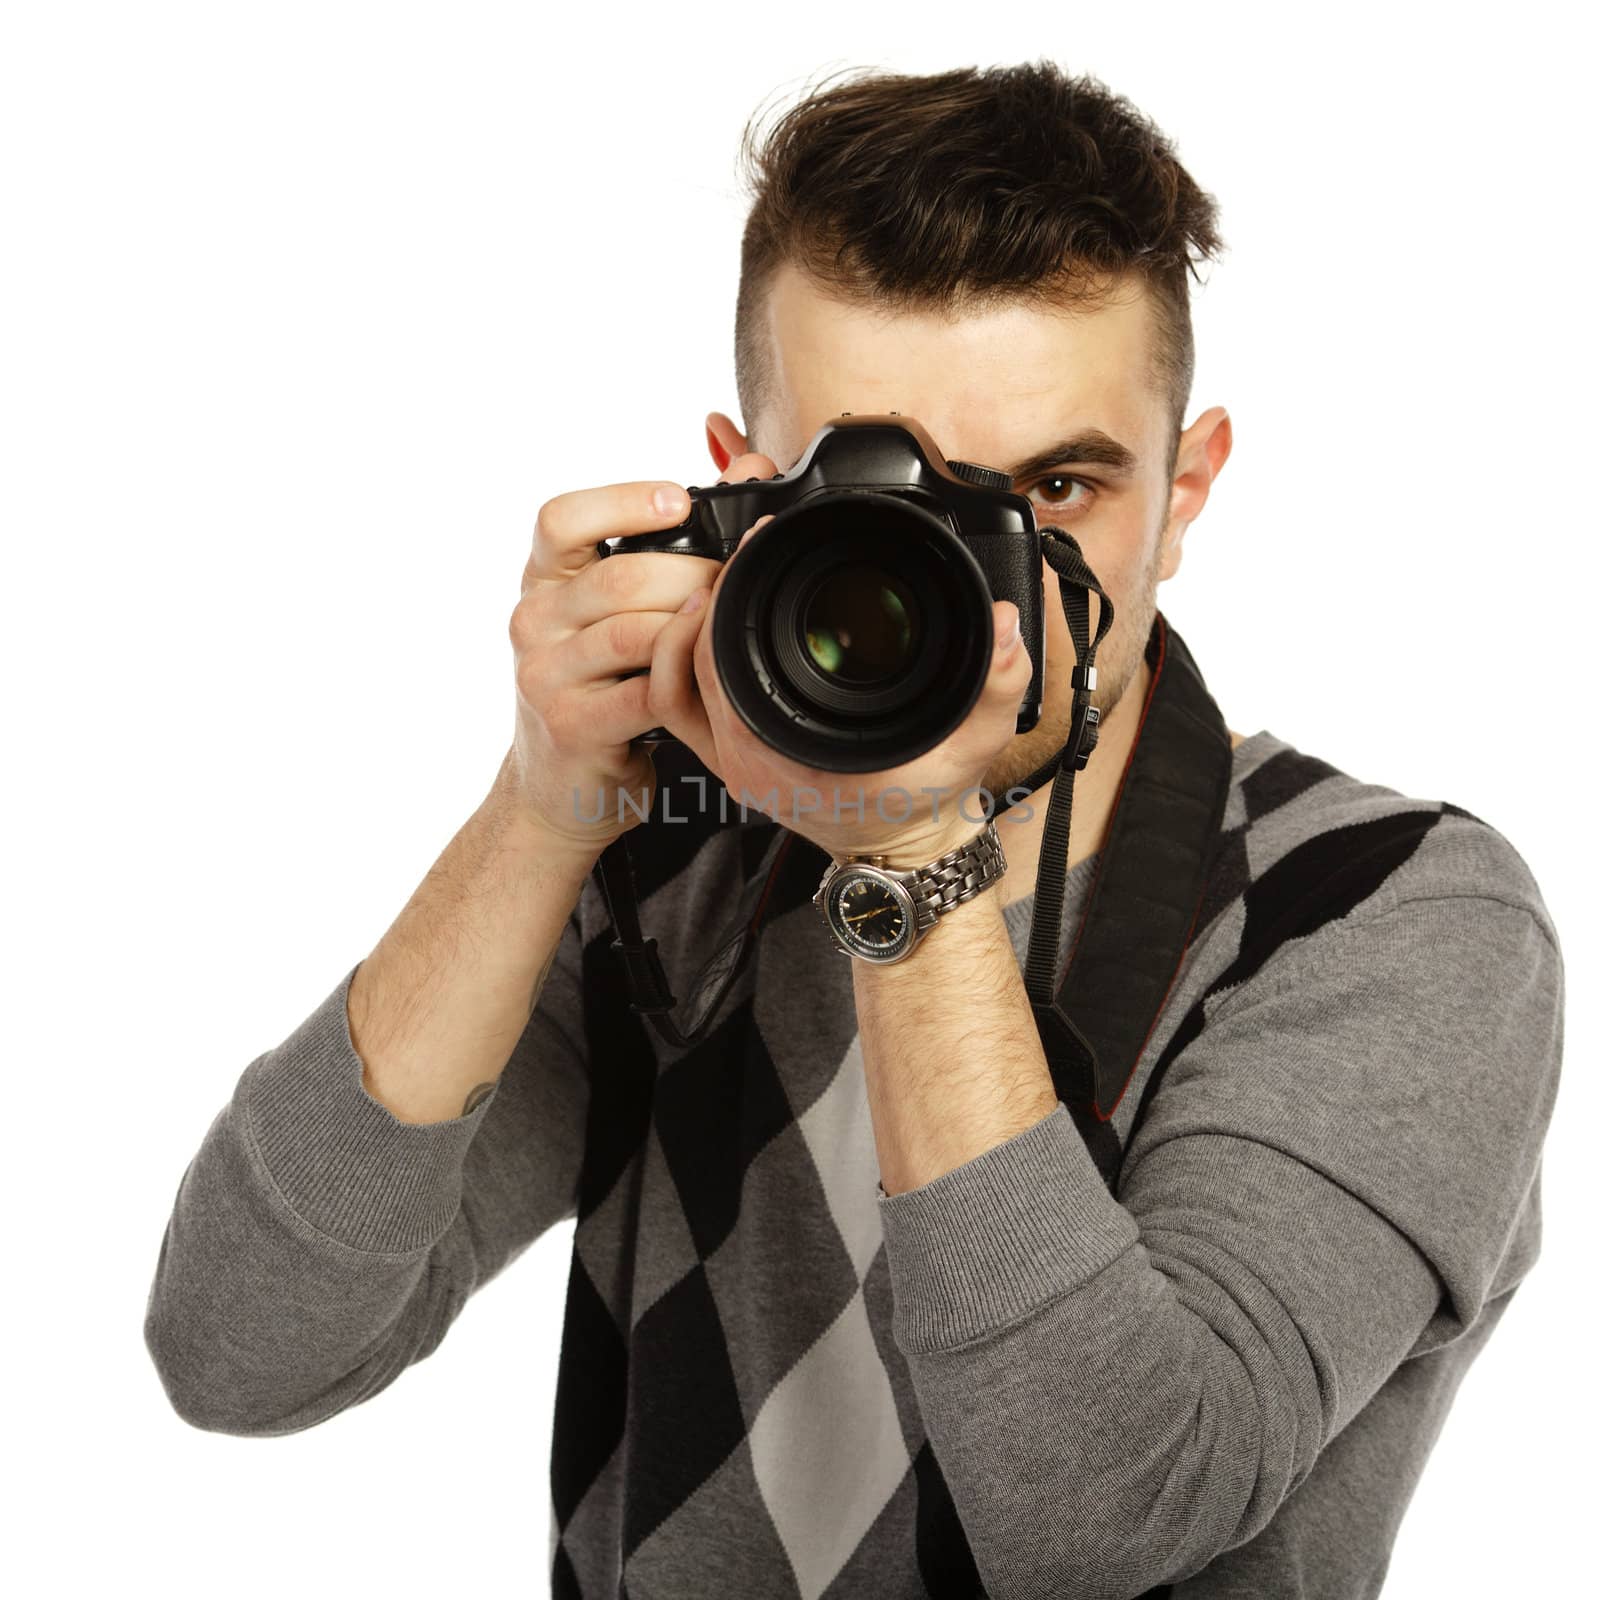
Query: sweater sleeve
<point x="1330" y="1180"/>
<point x="318" y="1245"/>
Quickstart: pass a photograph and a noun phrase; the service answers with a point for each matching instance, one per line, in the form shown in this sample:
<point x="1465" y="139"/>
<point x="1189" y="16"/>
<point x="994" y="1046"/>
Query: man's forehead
<point x="988" y="384"/>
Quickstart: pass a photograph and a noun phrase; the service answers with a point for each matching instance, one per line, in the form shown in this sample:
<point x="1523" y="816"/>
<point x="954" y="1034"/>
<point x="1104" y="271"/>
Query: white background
<point x="308" y="307"/>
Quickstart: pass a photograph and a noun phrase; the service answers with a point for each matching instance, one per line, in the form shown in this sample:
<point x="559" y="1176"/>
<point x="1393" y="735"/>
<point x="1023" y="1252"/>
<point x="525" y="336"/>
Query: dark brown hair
<point x="959" y="190"/>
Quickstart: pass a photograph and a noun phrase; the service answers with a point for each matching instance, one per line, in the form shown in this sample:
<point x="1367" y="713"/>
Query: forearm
<point x="953" y="1060"/>
<point x="438" y="1006"/>
<point x="1052" y="1362"/>
<point x="322" y="1240"/>
<point x="1167" y="1361"/>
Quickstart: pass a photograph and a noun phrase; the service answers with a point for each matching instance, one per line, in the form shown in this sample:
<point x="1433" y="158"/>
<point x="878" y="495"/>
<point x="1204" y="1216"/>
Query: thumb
<point x="1010" y="666"/>
<point x="993" y="721"/>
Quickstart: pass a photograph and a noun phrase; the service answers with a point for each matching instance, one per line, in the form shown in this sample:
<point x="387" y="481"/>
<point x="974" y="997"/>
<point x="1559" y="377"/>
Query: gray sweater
<point x="1219" y="1376"/>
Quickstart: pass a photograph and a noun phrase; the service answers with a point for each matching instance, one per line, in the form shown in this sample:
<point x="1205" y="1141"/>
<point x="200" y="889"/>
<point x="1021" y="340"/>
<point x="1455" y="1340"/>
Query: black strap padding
<point x="649" y="990"/>
<point x="1144" y="899"/>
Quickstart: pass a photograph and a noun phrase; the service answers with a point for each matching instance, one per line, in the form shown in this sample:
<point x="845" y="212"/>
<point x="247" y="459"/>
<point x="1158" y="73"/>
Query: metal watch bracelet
<point x="956" y="876"/>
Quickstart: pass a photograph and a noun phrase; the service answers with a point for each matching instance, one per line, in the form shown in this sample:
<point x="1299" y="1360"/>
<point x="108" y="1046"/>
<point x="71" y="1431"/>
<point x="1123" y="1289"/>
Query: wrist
<point x="559" y="854"/>
<point x="978" y="922"/>
<point x="906" y="852"/>
<point x="524" y="833"/>
<point x="880" y="913"/>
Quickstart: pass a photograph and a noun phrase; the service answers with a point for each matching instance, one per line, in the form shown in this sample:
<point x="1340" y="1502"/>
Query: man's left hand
<point x="885" y="813"/>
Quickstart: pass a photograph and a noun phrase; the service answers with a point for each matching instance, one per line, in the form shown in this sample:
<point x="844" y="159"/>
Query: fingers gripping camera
<point x="860" y="636"/>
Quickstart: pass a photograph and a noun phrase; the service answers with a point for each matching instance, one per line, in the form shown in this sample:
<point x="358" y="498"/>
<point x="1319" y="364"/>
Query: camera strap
<point x="649" y="990"/>
<point x="1142" y="903"/>
<point x="1150" y="878"/>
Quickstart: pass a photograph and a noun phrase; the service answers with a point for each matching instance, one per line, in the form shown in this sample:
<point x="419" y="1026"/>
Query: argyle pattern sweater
<point x="1201" y="1349"/>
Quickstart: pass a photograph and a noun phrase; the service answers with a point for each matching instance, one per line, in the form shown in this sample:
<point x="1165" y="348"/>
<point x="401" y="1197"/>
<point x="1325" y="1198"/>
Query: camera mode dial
<point x="984" y="477"/>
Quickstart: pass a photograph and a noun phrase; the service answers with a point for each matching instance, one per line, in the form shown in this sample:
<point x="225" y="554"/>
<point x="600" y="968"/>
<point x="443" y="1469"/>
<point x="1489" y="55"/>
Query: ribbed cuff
<point x="342" y="1160"/>
<point x="1024" y="1223"/>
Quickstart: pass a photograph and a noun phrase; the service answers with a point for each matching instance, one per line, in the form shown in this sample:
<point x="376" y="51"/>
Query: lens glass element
<point x="861" y="624"/>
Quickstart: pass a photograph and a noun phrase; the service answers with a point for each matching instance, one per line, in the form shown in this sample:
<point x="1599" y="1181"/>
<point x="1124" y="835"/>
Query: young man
<point x="852" y="1309"/>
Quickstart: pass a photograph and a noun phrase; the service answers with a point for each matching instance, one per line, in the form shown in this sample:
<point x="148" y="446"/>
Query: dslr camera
<point x="854" y="631"/>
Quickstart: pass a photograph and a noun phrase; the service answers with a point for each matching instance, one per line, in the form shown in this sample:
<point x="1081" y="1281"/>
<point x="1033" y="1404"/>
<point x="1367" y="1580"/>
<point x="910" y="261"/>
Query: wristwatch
<point x="878" y="914"/>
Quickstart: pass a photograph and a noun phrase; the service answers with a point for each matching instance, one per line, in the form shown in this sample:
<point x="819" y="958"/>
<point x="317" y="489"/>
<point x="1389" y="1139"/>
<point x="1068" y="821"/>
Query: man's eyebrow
<point x="1088" y="447"/>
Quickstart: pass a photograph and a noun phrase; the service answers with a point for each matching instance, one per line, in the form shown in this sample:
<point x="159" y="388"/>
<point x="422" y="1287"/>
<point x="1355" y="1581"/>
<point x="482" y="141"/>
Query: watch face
<point x="871" y="914"/>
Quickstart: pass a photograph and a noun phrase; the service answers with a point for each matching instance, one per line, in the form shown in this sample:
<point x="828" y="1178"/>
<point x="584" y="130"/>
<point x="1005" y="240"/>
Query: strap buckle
<point x="1085" y="719"/>
<point x="1074" y="1067"/>
<point x="647" y="978"/>
<point x="1085" y="730"/>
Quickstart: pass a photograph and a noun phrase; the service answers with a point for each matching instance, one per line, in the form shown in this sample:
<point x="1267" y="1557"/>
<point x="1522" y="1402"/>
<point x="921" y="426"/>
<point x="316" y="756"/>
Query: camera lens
<point x="855" y="632"/>
<point x="862" y="625"/>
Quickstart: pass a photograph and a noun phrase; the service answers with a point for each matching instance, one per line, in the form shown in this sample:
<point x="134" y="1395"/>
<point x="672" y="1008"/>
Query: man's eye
<point x="1064" y="493"/>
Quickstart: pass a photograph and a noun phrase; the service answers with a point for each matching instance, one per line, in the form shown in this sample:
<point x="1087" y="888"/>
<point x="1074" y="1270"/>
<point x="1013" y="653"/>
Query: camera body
<point x="855" y="631"/>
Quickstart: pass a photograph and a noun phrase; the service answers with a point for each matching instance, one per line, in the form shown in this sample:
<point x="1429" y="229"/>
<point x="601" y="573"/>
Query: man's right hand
<point x="437" y="1009"/>
<point x="583" y="623"/>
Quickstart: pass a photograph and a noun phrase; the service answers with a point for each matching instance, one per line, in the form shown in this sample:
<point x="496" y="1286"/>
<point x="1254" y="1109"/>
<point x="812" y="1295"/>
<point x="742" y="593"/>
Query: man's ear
<point x="1203" y="447"/>
<point x="724" y="440"/>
